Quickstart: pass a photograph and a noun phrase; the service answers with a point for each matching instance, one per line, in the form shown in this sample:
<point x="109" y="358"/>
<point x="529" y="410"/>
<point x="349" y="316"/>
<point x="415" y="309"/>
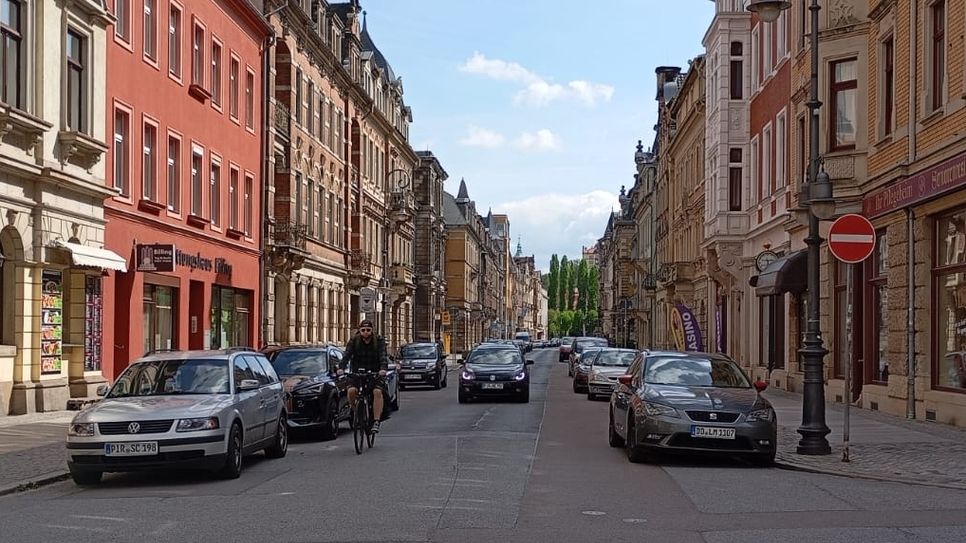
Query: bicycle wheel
<point x="360" y="425"/>
<point x="370" y="435"/>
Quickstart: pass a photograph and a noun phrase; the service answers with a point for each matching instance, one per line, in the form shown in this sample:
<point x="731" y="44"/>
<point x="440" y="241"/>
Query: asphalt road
<point x="486" y="472"/>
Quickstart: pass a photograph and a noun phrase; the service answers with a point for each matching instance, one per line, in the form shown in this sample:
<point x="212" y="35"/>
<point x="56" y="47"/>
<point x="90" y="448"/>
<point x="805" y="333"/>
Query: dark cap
<point x="366" y="323"/>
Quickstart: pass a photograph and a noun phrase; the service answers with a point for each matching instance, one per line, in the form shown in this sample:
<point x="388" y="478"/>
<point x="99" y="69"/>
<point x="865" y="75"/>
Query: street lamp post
<point x="821" y="206"/>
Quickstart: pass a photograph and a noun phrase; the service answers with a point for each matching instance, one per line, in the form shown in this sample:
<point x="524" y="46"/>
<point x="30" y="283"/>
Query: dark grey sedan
<point x="692" y="402"/>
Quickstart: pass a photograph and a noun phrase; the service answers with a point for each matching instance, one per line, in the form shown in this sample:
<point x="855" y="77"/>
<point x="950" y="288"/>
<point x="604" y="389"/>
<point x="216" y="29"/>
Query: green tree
<point x="583" y="285"/>
<point x="553" y="283"/>
<point x="563" y="301"/>
<point x="593" y="297"/>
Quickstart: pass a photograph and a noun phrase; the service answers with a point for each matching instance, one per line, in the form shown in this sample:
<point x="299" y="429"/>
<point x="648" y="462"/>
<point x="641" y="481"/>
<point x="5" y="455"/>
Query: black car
<point x="422" y="364"/>
<point x="315" y="396"/>
<point x="495" y="370"/>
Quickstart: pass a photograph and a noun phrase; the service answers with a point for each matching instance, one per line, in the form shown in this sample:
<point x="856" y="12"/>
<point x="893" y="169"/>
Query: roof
<point x="380" y="59"/>
<point x="464" y="193"/>
<point x="451" y="211"/>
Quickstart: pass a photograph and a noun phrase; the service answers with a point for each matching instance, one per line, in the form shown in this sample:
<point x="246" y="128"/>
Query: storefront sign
<point x="197" y="262"/>
<point x="52" y="323"/>
<point x="933" y="182"/>
<point x="687" y="332"/>
<point x="155" y="258"/>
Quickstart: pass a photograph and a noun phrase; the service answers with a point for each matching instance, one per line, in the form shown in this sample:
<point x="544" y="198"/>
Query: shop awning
<point x="785" y="274"/>
<point x="92" y="257"/>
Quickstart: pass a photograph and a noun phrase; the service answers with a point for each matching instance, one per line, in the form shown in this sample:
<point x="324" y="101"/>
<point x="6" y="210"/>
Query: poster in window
<point x="51" y="323"/>
<point x="93" y="309"/>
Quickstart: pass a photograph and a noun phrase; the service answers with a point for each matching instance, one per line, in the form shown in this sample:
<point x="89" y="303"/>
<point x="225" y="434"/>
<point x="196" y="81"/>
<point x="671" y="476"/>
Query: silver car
<point x="199" y="409"/>
<point x="691" y="402"/>
<point x="605" y="368"/>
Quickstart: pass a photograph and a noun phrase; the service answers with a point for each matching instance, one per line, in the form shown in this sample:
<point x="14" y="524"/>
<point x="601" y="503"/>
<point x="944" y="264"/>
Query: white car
<point x="204" y="409"/>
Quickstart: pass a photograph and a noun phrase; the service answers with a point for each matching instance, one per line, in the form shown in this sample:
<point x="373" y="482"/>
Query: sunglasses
<point x="365" y="329"/>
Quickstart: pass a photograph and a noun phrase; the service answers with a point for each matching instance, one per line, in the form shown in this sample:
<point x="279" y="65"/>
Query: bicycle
<point x="362" y="419"/>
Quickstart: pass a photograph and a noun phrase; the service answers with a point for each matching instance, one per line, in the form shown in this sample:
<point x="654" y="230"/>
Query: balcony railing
<point x="288" y="233"/>
<point x="283" y="120"/>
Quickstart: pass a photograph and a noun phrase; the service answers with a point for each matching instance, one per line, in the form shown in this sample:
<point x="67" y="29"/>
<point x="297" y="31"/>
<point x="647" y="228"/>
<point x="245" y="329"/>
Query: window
<point x="122" y="27"/>
<point x="888" y="85"/>
<point x="159" y="311"/>
<point x="781" y="133"/>
<point x="310" y="116"/>
<point x="149" y="165"/>
<point x="150" y="30"/>
<point x="198" y="56"/>
<point x="755" y="59"/>
<point x="11" y="40"/>
<point x="230" y="317"/>
<point x="174" y="174"/>
<point x="734" y="188"/>
<point x="767" y="177"/>
<point x="297" y="106"/>
<point x="215" y="193"/>
<point x="215" y="73"/>
<point x="121" y="155"/>
<point x="878" y="286"/>
<point x="844" y="107"/>
<point x="233" y="199"/>
<point x="299" y="218"/>
<point x="249" y="203"/>
<point x="755" y="181"/>
<point x="782" y="27"/>
<point x="313" y="212"/>
<point x="803" y="24"/>
<point x="197" y="162"/>
<point x="250" y="100"/>
<point x="737" y="74"/>
<point x="233" y="89"/>
<point x="802" y="149"/>
<point x="771" y="342"/>
<point x="937" y="52"/>
<point x="174" y="41"/>
<point x="320" y="216"/>
<point x="949" y="366"/>
<point x="76" y="95"/>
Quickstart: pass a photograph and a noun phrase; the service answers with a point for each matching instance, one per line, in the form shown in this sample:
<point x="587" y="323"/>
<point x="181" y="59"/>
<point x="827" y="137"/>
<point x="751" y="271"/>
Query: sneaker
<point x="375" y="427"/>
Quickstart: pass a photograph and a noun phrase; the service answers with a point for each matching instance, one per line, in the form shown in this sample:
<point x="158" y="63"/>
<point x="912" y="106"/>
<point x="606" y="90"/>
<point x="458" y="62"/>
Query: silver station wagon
<point x="185" y="409"/>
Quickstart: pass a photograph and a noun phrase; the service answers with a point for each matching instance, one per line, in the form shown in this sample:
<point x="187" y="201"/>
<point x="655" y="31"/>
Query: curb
<point x="35" y="482"/>
<point x="794" y="466"/>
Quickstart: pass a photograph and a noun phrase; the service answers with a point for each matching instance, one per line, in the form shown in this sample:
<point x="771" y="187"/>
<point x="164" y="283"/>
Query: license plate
<point x="412" y="377"/>
<point x="496" y="386"/>
<point x="712" y="432"/>
<point x="133" y="448"/>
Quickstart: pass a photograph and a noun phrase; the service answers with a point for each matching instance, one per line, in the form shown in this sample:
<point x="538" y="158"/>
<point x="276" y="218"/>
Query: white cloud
<point x="538" y="91"/>
<point x="481" y="137"/>
<point x="558" y="223"/>
<point x="542" y="140"/>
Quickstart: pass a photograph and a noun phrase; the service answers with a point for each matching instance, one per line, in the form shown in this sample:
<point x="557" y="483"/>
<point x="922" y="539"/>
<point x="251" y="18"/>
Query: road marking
<point x="479" y="421"/>
<point x="83" y="528"/>
<point x="93" y="517"/>
<point x="593" y="513"/>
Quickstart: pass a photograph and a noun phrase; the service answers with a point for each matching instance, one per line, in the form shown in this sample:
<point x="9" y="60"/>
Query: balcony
<point x="288" y="233"/>
<point x="360" y="269"/>
<point x="288" y="250"/>
<point x="283" y="121"/>
<point x="401" y="274"/>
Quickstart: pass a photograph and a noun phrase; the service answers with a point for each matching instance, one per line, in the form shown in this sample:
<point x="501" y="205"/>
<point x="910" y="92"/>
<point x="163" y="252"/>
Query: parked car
<point x="565" y="344"/>
<point x="495" y="370"/>
<point x="581" y="368"/>
<point x="205" y="409"/>
<point x="691" y="402"/>
<point x="578" y="346"/>
<point x="604" y="368"/>
<point x="524" y="338"/>
<point x="315" y="396"/>
<point x="422" y="364"/>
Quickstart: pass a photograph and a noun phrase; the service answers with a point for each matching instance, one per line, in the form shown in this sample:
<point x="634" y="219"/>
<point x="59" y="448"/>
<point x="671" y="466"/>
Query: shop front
<point x="180" y="293"/>
<point x="921" y="227"/>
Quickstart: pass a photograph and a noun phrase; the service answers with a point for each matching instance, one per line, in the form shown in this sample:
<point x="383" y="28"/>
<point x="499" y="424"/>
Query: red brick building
<point x="184" y="120"/>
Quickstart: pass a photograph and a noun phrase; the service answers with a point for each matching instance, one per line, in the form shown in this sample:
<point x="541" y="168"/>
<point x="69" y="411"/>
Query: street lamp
<point x="821" y="206"/>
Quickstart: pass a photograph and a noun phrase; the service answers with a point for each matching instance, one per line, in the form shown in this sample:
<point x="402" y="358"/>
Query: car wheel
<point x="279" y="446"/>
<point x="591" y="396"/>
<point x="463" y="397"/>
<point x="331" y="428"/>
<point x="524" y="396"/>
<point x="233" y="457"/>
<point x="576" y="388"/>
<point x="438" y="382"/>
<point x="635" y="453"/>
<point x="85" y="478"/>
<point x="765" y="460"/>
<point x="446" y="379"/>
<point x="613" y="438"/>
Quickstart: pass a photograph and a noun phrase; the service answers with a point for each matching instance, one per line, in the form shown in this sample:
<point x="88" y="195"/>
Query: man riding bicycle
<point x="367" y="351"/>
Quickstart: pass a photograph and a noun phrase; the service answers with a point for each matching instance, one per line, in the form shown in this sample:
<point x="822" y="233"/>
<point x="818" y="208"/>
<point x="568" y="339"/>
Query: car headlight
<point x="767" y="414"/>
<point x="656" y="409"/>
<point x="81" y="429"/>
<point x="314" y="389"/>
<point x="467" y="375"/>
<point x="520" y="376"/>
<point x="195" y="425"/>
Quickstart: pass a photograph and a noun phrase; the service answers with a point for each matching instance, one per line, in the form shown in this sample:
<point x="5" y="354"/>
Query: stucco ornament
<point x="841" y="13"/>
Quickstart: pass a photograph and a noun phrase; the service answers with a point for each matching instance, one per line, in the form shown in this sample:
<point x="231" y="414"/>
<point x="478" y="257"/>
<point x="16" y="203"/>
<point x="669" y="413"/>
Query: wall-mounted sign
<point x="367" y="300"/>
<point x="157" y="257"/>
<point x="197" y="262"/>
<point x="685" y="328"/>
<point x="940" y="179"/>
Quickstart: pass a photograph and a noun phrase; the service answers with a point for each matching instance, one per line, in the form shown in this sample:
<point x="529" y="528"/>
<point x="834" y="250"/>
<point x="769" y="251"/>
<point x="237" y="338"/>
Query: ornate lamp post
<point x="822" y="207"/>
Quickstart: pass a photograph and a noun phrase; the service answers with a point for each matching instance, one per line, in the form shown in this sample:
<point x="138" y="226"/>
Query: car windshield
<point x="566" y="341"/>
<point x="496" y="357"/>
<point x="418" y="351"/>
<point x="615" y="358"/>
<point x="299" y="362"/>
<point x="172" y="377"/>
<point x="589" y="343"/>
<point x="694" y="372"/>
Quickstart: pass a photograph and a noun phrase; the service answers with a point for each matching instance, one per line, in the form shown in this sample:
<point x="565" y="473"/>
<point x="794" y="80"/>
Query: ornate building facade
<point x="430" y="247"/>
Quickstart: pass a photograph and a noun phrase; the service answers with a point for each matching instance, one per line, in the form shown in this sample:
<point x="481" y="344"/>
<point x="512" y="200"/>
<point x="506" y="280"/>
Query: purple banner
<point x="718" y="336"/>
<point x="691" y="329"/>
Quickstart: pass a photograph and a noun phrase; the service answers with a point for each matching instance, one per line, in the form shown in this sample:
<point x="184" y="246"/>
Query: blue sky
<point x="537" y="103"/>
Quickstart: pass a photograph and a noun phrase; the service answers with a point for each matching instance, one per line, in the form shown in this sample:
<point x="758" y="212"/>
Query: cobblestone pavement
<point x="882" y="447"/>
<point x="32" y="449"/>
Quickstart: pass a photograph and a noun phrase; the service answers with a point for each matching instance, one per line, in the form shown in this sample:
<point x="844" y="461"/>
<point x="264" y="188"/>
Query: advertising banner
<point x="687" y="332"/>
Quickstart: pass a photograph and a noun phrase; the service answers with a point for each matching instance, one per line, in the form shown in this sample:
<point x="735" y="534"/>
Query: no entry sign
<point x="851" y="238"/>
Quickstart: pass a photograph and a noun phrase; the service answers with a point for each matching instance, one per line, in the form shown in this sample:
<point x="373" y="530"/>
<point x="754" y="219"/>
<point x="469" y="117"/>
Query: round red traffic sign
<point x="851" y="238"/>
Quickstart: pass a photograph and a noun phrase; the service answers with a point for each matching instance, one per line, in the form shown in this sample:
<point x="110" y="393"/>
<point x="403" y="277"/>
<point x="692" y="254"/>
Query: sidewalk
<point x="881" y="447"/>
<point x="32" y="450"/>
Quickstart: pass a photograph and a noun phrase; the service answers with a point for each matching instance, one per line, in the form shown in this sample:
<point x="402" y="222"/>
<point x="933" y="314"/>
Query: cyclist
<point x="367" y="351"/>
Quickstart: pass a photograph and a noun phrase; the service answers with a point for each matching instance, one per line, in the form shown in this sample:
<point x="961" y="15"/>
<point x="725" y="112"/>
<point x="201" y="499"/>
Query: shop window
<point x="949" y="362"/>
<point x="879" y="296"/>
<point x="160" y="308"/>
<point x="771" y="342"/>
<point x="230" y="317"/>
<point x="93" y="315"/>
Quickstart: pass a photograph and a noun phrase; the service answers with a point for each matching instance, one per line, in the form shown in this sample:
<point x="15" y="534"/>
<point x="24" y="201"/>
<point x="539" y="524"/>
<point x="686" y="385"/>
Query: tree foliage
<point x="566" y="318"/>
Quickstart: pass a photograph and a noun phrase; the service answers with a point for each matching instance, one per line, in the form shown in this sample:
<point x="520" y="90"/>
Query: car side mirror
<point x="624" y="380"/>
<point x="529" y="361"/>
<point x="248" y="384"/>
<point x="760" y="385"/>
<point x="102" y="390"/>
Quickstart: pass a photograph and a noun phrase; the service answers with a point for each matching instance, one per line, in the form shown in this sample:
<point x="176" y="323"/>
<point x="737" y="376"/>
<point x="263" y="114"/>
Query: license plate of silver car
<point x="712" y="432"/>
<point x="494" y="386"/>
<point x="132" y="448"/>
